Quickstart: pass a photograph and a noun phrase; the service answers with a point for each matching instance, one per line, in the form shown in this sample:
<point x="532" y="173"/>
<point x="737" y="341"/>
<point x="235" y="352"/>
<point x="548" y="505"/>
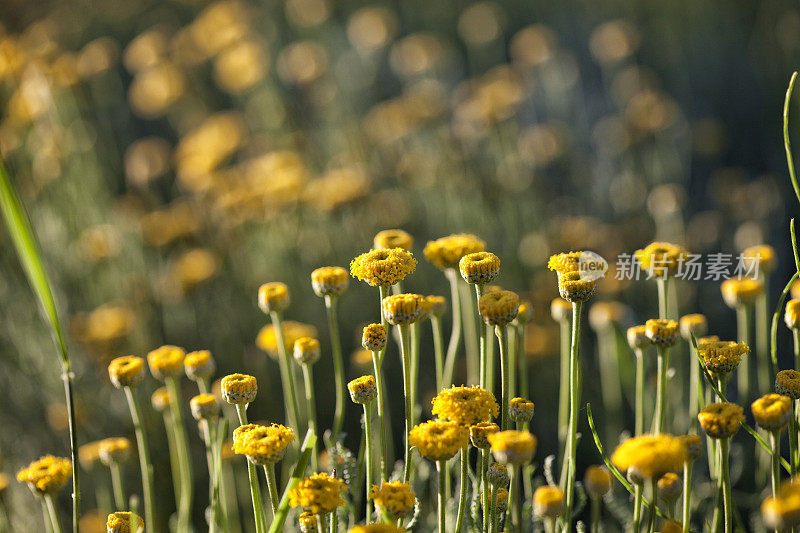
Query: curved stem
<point x="255" y="489"/>
<point x="502" y="340"/>
<point x="182" y="447"/>
<point x="568" y="467"/>
<point x="290" y="396"/>
<point x="438" y="355"/>
<point x="462" y="488"/>
<point x="116" y="485"/>
<point x="687" y="495"/>
<point x="308" y="380"/>
<point x="144" y="459"/>
<point x="639" y="420"/>
<point x="455" y="332"/>
<point x="404" y="354"/>
<point x="272" y="486"/>
<point x="338" y="369"/>
<point x="440" y="469"/>
<point x="51" y="510"/>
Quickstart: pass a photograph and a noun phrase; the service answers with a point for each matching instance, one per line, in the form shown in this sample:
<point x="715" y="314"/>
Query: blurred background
<point x="176" y="154"/>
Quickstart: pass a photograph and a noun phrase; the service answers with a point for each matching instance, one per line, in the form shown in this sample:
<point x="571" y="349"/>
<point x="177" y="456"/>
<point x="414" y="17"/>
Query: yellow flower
<point x="499" y="308"/>
<point x="524" y="313"/>
<point x="662" y="332"/>
<point x="199" y="365"/>
<point x="377" y="528"/>
<point x="502" y="500"/>
<point x="739" y="292"/>
<point x="520" y="410"/>
<point x="307" y="522"/>
<point x="560" y="310"/>
<point x="722" y="357"/>
<point x="204" y="406"/>
<point x="434" y="305"/>
<point x="597" y="480"/>
<point x="124" y="522"/>
<point x="479" y="268"/>
<point x="604" y="315"/>
<point x="89" y="454"/>
<point x="160" y="399"/>
<point x="114" y="450"/>
<point x="239" y="434"/>
<point x="402" y="308"/>
<point x="263" y="445"/>
<point x="273" y="297"/>
<point x="239" y="389"/>
<point x="548" y="502"/>
<point x="721" y="420"/>
<point x="446" y="252"/>
<point x="126" y="371"/>
<point x="764" y="255"/>
<point x="787" y="382"/>
<point x="694" y="323"/>
<point x="363" y="390"/>
<point x="772" y="411"/>
<point x="669" y="487"/>
<point x="374" y="337"/>
<point x="693" y="445"/>
<point x="383" y="268"/>
<point x="497" y="474"/>
<point x="394" y="498"/>
<point x="513" y="447"/>
<point x="268" y="341"/>
<point x="306" y="350"/>
<point x="782" y="511"/>
<point x="637" y="338"/>
<point x="565" y="262"/>
<point x="650" y="456"/>
<point x="479" y="434"/>
<point x="318" y="494"/>
<point x="47" y="475"/>
<point x="166" y="362"/>
<point x="573" y="288"/>
<point x="792" y="314"/>
<point x="393" y="238"/>
<point x="661" y="259"/>
<point x="438" y="440"/>
<point x="329" y="281"/>
<point x="465" y="405"/>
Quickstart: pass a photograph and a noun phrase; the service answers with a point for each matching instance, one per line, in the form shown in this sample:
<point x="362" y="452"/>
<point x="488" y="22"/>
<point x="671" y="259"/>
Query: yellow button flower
<point x="513" y="447"/>
<point x="318" y="494"/>
<point x="160" y="399"/>
<point x="722" y="357"/>
<point x="696" y="324"/>
<point x="662" y="332"/>
<point x="329" y="281"/>
<point x="762" y="254"/>
<point x="268" y="341"/>
<point x="46" y="475"/>
<point x="560" y="310"/>
<point x="465" y="405"/>
<point x="394" y="498"/>
<point x="497" y="474"/>
<point x="564" y="262"/>
<point x="363" y="390"/>
<point x="124" y="522"/>
<point x="401" y="309"/>
<point x="199" y="365"/>
<point x="273" y="297"/>
<point x="787" y="382"/>
<point x="573" y="288"/>
<point x="383" y="268"/>
<point x="520" y="410"/>
<point x="661" y="259"/>
<point x="438" y="440"/>
<point x="693" y="445"/>
<point x="721" y="420"/>
<point x="306" y="351"/>
<point x="669" y="487"/>
<point x="499" y="308"/>
<point x="637" y="338"/>
<point x="782" y="511"/>
<point x="377" y="528"/>
<point x="263" y="445"/>
<point x="738" y="292"/>
<point x="114" y="450"/>
<point x="374" y="337"/>
<point x="126" y="371"/>
<point x="479" y="268"/>
<point x="204" y="406"/>
<point x="548" y="502"/>
<point x="772" y="411"/>
<point x="307" y="522"/>
<point x="435" y="305"/>
<point x="479" y="434"/>
<point x="597" y="480"/>
<point x="446" y="252"/>
<point x="791" y="315"/>
<point x="166" y="362"/>
<point x="239" y="389"/>
<point x="393" y="238"/>
<point x="649" y="456"/>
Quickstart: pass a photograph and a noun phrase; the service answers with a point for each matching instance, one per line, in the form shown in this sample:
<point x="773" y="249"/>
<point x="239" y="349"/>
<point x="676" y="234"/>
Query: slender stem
<point x="595" y="528"/>
<point x="726" y="485"/>
<point x="523" y="363"/>
<point x="51" y="510"/>
<point x="368" y="457"/>
<point x="462" y="487"/>
<point x="182" y="447"/>
<point x="687" y="495"/>
<point x="255" y="489"/>
<point x="455" y="332"/>
<point x="440" y="469"/>
<point x="229" y="498"/>
<point x="762" y="337"/>
<point x="639" y="417"/>
<point x="514" y="511"/>
<point x="404" y="354"/>
<point x="775" y="444"/>
<point x="290" y="396"/>
<point x="470" y="314"/>
<point x="793" y="445"/>
<point x="485" y="489"/>
<point x="743" y="372"/>
<point x="338" y="370"/>
<point x="483" y="339"/>
<point x="144" y="458"/>
<point x="69" y="396"/>
<point x="438" y="355"/>
<point x="512" y="361"/>
<point x="637" y="507"/>
<point x="493" y="512"/>
<point x="502" y="340"/>
<point x="116" y="485"/>
<point x="695" y="386"/>
<point x="334" y="521"/>
<point x="377" y="363"/>
<point x="786" y="142"/>
<point x="661" y="390"/>
<point x="662" y="283"/>
<point x="653" y="499"/>
<point x="415" y="338"/>
<point x="563" y="387"/>
<point x="272" y="486"/>
<point x="568" y="467"/>
<point x="308" y="381"/>
<point x="796" y="348"/>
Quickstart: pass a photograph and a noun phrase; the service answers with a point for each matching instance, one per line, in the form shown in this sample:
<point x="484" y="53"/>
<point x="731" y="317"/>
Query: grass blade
<point x="786" y="142"/>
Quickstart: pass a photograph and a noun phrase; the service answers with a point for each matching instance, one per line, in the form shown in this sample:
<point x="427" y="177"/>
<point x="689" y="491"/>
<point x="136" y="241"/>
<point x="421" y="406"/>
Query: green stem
<point x="793" y="445"/>
<point x="482" y="362"/>
<point x="743" y="372"/>
<point x="51" y="510"/>
<point x="377" y="363"/>
<point x="494" y="513"/>
<point x="514" y="511"/>
<point x="415" y="338"/>
<point x="502" y="341"/>
<point x="272" y="487"/>
<point x="775" y="444"/>
<point x="440" y="469"/>
<point x="637" y="507"/>
<point x="596" y="502"/>
<point x="485" y="489"/>
<point x="404" y="355"/>
<point x="568" y="467"/>
<point x="512" y="362"/>
<point x="334" y="521"/>
<point x="661" y="389"/>
<point x="796" y="348"/>
<point x="290" y="396"/>
<point x="687" y="495"/>
<point x="639" y="417"/>
<point x="470" y="314"/>
<point x="563" y="387"/>
<point x="229" y="498"/>
<point x="695" y="387"/>
<point x="726" y="485"/>
<point x="762" y="337"/>
<point x="255" y="489"/>
<point x="182" y="447"/>
<point x="462" y="487"/>
<point x="662" y="283"/>
<point x="144" y="459"/>
<point x="116" y="484"/>
<point x="368" y="457"/>
<point x="438" y="355"/>
<point x="786" y="142"/>
<point x="653" y="499"/>
<point x="338" y="370"/>
<point x="524" y="391"/>
<point x="455" y="332"/>
<point x="308" y="380"/>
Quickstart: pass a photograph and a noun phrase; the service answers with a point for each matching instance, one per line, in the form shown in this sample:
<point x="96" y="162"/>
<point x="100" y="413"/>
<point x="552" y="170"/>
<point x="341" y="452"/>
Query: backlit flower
<point x="329" y="281"/>
<point x="772" y="411"/>
<point x="721" y="420"/>
<point x="650" y="456"/>
<point x="693" y="324"/>
<point x="479" y="267"/>
<point x="787" y="382"/>
<point x="126" y="371"/>
<point x="446" y="252"/>
<point x="306" y="351"/>
<point x="394" y="498"/>
<point x="263" y="444"/>
<point x="438" y="440"/>
<point x="479" y="434"/>
<point x="393" y="238"/>
<point x="465" y="405"/>
<point x="273" y="297"/>
<point x="722" y="357"/>
<point x="401" y="309"/>
<point x="499" y="308"/>
<point x="383" y="268"/>
<point x="239" y="389"/>
<point x="737" y="292"/>
<point x="46" y="475"/>
<point x="513" y="447"/>
<point x="662" y="332"/>
<point x="548" y="502"/>
<point x="363" y="390"/>
<point x="374" y="337"/>
<point x="661" y="259"/>
<point x="199" y="365"/>
<point x="166" y="362"/>
<point x="318" y="494"/>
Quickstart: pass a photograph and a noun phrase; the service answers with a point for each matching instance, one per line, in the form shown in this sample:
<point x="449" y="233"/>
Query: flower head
<point x="166" y="362"/>
<point x="383" y="268"/>
<point x="693" y="445"/>
<point x="722" y="357"/>
<point x="783" y="510"/>
<point x="204" y="406"/>
<point x="446" y="252"/>
<point x="499" y="308"/>
<point x="637" y="337"/>
<point x="89" y="454"/>
<point x="524" y="313"/>
<point x="513" y="447"/>
<point x="564" y="262"/>
<point x="160" y="399"/>
<point x="363" y="390"/>
<point x="329" y="281"/>
<point x="124" y="522"/>
<point x="46" y="475"/>
<point x="114" y="450"/>
<point x="479" y="434"/>
<point x="434" y="305"/>
<point x="307" y="522"/>
<point x="502" y="500"/>
<point x="394" y="498"/>
<point x="520" y="410"/>
<point x="738" y="292"/>
<point x="263" y="444"/>
<point x="650" y="456"/>
<point x="497" y="474"/>
<point x="662" y="332"/>
<point x="239" y="389"/>
<point x="199" y="365"/>
<point x="597" y="480"/>
<point x="318" y="494"/>
<point x="772" y="411"/>
<point x="787" y="382"/>
<point x="560" y="310"/>
<point x="401" y="309"/>
<point x="548" y="502"/>
<point x="721" y="420"/>
<point x="764" y="255"/>
<point x="661" y="259"/>
<point x="669" y="487"/>
<point x="791" y="315"/>
<point x="267" y="340"/>
<point x="438" y="440"/>
<point x="693" y="324"/>
<point x="126" y="371"/>
<point x="306" y="350"/>
<point x="374" y="337"/>
<point x="273" y="297"/>
<point x="465" y="405"/>
<point x="573" y="288"/>
<point x="479" y="268"/>
<point x="393" y="238"/>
